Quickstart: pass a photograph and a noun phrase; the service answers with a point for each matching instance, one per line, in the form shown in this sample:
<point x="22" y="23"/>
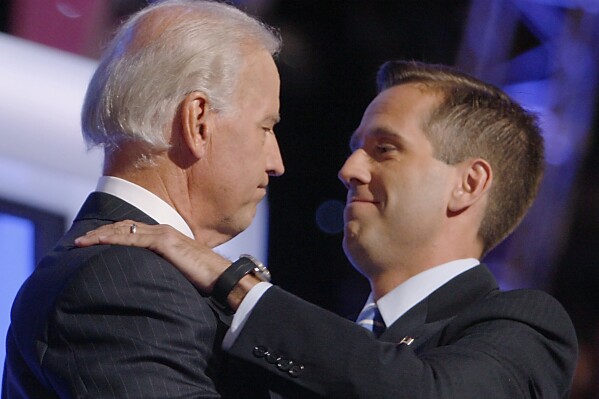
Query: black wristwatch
<point x="230" y="278"/>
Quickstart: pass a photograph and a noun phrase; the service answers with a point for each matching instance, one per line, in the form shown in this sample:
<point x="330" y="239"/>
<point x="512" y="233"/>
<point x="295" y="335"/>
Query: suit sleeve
<point x="129" y="325"/>
<point x="516" y="345"/>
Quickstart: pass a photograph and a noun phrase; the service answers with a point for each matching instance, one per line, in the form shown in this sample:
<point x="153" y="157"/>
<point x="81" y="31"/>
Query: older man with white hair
<point x="184" y="103"/>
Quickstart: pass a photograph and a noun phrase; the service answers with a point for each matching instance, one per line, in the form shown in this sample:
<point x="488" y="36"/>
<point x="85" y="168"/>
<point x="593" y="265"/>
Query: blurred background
<point x="545" y="53"/>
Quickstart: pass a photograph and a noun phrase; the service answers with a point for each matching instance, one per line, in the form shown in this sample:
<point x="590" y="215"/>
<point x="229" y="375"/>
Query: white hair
<point x="138" y="86"/>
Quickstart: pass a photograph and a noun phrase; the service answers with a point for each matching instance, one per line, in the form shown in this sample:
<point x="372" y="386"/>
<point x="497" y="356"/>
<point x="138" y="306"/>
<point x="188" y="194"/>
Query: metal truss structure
<point x="544" y="53"/>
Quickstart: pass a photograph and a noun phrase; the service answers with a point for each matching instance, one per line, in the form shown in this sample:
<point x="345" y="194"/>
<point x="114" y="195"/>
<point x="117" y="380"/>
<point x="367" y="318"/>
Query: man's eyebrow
<point x="386" y="132"/>
<point x="274" y="119"/>
<point x="354" y="141"/>
<point x="379" y="132"/>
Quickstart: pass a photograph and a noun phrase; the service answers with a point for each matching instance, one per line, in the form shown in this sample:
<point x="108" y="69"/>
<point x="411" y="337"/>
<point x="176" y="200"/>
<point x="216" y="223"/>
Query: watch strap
<point x="228" y="280"/>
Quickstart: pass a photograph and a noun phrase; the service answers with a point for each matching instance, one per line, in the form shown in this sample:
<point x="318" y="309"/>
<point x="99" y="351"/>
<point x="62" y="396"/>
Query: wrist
<point x="236" y="281"/>
<point x="239" y="292"/>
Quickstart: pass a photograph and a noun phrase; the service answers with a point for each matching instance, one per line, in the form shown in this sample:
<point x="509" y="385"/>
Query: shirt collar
<point x="403" y="297"/>
<point x="144" y="200"/>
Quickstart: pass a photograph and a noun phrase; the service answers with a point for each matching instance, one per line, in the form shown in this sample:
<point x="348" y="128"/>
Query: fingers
<point x="126" y="232"/>
<point x="87" y="240"/>
<point x="196" y="261"/>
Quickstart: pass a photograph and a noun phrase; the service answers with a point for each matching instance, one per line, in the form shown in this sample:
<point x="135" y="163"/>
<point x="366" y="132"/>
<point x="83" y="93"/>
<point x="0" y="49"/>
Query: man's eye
<point x="269" y="130"/>
<point x="383" y="148"/>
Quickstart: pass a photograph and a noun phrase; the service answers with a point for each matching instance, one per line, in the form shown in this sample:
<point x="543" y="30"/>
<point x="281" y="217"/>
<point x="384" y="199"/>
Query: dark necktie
<point x="370" y="318"/>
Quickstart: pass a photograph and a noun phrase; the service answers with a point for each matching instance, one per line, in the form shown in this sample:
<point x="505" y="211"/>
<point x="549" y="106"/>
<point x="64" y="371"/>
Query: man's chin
<point x="351" y="238"/>
<point x="351" y="230"/>
<point x="240" y="223"/>
<point x="356" y="240"/>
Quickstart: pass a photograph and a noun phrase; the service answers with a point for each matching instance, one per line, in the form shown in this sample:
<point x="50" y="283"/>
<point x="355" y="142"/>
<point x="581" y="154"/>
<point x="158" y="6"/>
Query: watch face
<point x="260" y="270"/>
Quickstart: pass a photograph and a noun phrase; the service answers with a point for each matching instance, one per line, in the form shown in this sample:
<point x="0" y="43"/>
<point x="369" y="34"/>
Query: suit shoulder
<point x="114" y="255"/>
<point x="527" y="301"/>
<point x="102" y="274"/>
<point x="129" y="268"/>
<point x="534" y="309"/>
<point x="62" y="267"/>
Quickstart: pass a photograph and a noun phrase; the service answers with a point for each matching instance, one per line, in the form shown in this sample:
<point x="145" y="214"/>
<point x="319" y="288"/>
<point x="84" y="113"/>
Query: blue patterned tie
<point x="370" y="318"/>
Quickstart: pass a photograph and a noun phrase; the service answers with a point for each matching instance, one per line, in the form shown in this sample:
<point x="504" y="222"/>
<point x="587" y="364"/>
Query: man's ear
<point x="476" y="177"/>
<point x="195" y="133"/>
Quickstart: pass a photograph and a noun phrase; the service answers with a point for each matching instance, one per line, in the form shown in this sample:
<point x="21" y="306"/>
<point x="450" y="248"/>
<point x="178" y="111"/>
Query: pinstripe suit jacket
<point x="113" y="322"/>
<point x="470" y="340"/>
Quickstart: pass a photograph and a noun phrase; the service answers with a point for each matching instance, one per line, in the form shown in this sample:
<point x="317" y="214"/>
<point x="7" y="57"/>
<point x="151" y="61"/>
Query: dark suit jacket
<point x="113" y="322"/>
<point x="470" y="341"/>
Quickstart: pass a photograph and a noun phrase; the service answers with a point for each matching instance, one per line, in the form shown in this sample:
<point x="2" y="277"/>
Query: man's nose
<point x="274" y="161"/>
<point x="355" y="169"/>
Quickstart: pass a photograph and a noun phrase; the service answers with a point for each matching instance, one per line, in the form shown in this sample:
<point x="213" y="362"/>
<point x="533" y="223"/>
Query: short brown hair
<point x="477" y="120"/>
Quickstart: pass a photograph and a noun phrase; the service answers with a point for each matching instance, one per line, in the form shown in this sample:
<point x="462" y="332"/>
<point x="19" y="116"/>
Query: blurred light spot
<point x="329" y="216"/>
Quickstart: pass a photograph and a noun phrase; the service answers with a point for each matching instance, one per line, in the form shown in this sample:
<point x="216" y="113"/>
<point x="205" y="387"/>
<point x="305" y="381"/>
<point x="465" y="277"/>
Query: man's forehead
<point x="400" y="119"/>
<point x="403" y="95"/>
<point x="395" y="113"/>
<point x="375" y="111"/>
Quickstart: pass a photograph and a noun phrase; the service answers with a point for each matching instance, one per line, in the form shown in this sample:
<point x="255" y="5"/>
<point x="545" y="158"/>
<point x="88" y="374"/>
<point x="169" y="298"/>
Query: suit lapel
<point x="432" y="314"/>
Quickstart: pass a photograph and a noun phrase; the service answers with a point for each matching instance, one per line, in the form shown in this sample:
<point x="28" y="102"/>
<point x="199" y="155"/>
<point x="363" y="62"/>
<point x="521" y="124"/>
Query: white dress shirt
<point x="405" y="296"/>
<point x="144" y="200"/>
